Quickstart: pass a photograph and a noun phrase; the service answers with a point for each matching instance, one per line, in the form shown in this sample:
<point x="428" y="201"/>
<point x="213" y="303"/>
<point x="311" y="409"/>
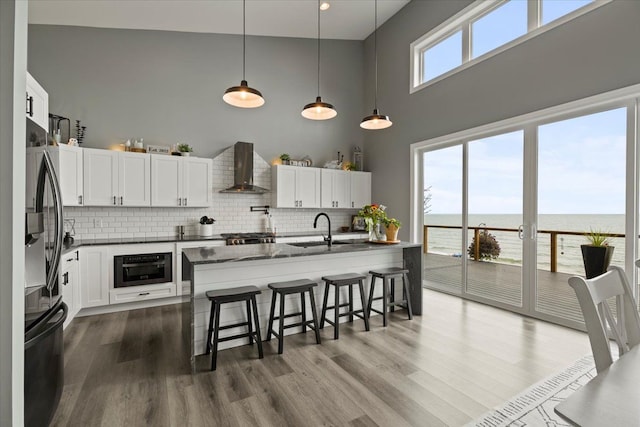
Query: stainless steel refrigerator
<point x="45" y="312"/>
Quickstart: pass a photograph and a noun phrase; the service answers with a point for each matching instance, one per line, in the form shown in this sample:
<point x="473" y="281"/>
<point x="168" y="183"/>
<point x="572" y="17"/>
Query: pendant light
<point x="376" y="120"/>
<point x="243" y="96"/>
<point x="319" y="110"/>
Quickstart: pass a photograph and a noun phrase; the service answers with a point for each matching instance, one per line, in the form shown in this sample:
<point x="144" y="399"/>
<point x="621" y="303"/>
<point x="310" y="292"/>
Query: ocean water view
<point x="569" y="257"/>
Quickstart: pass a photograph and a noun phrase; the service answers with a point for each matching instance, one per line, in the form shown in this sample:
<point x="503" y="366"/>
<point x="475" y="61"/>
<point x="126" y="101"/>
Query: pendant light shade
<point x="376" y="120"/>
<point x="319" y="110"/>
<point x="243" y="96"/>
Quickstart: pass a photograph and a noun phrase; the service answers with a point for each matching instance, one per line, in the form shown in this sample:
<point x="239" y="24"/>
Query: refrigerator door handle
<point x="42" y="331"/>
<point x="47" y="169"/>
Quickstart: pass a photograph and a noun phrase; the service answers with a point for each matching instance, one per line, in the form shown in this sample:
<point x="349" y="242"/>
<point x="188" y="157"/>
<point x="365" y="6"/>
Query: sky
<point x="581" y="161"/>
<point x="581" y="169"/>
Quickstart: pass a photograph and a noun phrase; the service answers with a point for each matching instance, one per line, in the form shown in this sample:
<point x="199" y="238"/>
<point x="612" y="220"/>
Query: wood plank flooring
<point x="446" y="367"/>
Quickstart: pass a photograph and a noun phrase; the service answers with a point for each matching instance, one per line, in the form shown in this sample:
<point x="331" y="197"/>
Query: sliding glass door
<point x="505" y="215"/>
<point x="581" y="189"/>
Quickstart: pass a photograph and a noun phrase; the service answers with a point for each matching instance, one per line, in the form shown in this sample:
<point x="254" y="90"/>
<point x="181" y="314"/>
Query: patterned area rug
<point x="534" y="406"/>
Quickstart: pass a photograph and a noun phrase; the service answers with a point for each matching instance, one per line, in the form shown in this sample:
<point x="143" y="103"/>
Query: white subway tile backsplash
<point x="231" y="211"/>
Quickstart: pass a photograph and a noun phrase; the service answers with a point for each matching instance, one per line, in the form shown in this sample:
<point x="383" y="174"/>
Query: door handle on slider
<point x="521" y="232"/>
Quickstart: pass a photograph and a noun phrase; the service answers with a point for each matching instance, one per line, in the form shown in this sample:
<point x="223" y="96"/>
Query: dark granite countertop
<point x="221" y="254"/>
<point x="175" y="239"/>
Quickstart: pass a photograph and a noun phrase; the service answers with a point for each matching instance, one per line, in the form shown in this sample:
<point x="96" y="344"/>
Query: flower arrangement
<point x="373" y="214"/>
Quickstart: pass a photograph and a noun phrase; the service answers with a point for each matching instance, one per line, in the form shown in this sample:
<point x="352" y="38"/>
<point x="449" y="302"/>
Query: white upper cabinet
<point x="181" y="181"/>
<point x="115" y="178"/>
<point x="197" y="181"/>
<point x="37" y="103"/>
<point x="360" y="189"/>
<point x="336" y="188"/>
<point x="295" y="187"/>
<point x="68" y="162"/>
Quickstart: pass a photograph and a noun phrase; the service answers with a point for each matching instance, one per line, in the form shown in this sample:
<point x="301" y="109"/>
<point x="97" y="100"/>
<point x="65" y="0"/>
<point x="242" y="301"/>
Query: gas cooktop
<point x="248" y="238"/>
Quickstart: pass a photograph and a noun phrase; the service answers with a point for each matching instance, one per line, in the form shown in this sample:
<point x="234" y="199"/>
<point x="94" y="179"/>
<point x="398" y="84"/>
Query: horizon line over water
<point x="569" y="256"/>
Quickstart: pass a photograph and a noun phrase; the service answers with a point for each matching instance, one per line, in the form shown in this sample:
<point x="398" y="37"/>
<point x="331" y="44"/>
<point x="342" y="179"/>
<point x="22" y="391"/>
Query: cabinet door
<point x="94" y="276"/>
<point x="166" y="175"/>
<point x="283" y="186"/>
<point x="100" y="176"/>
<point x="197" y="182"/>
<point x="37" y="103"/>
<point x="70" y="283"/>
<point x="342" y="189"/>
<point x="134" y="179"/>
<point x="308" y="187"/>
<point x="70" y="172"/>
<point x="360" y="189"/>
<point x="326" y="188"/>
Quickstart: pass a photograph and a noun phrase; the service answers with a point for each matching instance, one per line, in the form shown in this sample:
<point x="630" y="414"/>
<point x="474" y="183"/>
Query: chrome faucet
<point x="315" y="223"/>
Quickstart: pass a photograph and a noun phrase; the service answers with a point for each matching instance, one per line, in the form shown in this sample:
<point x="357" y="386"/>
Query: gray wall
<point x="167" y="87"/>
<point x="13" y="66"/>
<point x="594" y="53"/>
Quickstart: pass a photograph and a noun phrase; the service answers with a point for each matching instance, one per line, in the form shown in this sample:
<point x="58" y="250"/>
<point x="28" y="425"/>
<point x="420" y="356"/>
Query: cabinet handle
<point x="114" y="200"/>
<point x="80" y="200"/>
<point x="337" y="205"/>
<point x="65" y="278"/>
<point x="34" y="201"/>
<point x="121" y="200"/>
<point x="142" y="294"/>
<point x="300" y="203"/>
<point x="179" y="201"/>
<point x="29" y="105"/>
<point x="352" y="203"/>
<point x="185" y="201"/>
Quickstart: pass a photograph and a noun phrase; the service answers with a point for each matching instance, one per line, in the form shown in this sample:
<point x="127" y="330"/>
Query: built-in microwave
<point x="142" y="269"/>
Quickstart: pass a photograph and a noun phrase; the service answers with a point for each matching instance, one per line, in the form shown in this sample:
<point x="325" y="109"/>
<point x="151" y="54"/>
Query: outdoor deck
<point x="502" y="282"/>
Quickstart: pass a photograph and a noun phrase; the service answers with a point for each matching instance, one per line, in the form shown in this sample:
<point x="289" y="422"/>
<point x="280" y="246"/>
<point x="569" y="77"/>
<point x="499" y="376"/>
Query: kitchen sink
<point x="320" y="243"/>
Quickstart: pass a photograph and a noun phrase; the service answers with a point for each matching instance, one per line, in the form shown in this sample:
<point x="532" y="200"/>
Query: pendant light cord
<point x="318" y="48"/>
<point x="375" y="50"/>
<point x="244" y="38"/>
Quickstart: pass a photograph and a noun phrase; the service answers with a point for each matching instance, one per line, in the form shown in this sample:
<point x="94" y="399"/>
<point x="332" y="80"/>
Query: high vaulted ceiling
<point x="345" y="19"/>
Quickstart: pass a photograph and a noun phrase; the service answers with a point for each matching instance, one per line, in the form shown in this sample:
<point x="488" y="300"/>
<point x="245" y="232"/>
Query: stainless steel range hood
<point x="243" y="171"/>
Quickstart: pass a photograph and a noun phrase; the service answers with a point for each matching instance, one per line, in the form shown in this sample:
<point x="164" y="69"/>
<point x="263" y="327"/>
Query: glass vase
<point x="374" y="232"/>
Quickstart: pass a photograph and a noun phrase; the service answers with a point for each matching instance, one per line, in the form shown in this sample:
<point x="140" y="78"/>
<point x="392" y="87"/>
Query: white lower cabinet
<point x="69" y="283"/>
<point x="142" y="293"/>
<point x="95" y="275"/>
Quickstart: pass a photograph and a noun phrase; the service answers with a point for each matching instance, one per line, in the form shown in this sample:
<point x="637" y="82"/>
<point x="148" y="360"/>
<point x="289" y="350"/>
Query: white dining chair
<point x="593" y="296"/>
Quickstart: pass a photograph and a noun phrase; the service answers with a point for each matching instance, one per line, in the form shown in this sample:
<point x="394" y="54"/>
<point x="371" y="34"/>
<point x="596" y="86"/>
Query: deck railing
<point x="553" y="236"/>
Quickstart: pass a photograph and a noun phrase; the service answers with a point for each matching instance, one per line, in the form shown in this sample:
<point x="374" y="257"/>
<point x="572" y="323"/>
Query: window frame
<point x="463" y="20"/>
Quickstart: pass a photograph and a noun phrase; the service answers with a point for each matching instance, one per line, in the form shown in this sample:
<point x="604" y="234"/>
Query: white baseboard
<point x="90" y="311"/>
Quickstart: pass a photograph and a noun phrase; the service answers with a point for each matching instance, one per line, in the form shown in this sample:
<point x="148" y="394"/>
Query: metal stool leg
<point x="336" y="327"/>
<point x="364" y="303"/>
<point x="257" y="321"/>
<point x="392" y="294"/>
<point x="210" y="332"/>
<point x="216" y="328"/>
<point x="250" y="323"/>
<point x="272" y="313"/>
<point x="315" y="316"/>
<point x="304" y="312"/>
<point x="350" y="303"/>
<point x="324" y="304"/>
<point x="281" y="326"/>
<point x="405" y="285"/>
<point x="371" y="290"/>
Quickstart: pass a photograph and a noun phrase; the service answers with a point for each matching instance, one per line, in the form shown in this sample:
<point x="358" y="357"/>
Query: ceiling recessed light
<point x="325" y="5"/>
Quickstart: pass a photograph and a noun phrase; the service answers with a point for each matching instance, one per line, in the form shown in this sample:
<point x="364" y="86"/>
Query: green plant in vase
<point x="373" y="216"/>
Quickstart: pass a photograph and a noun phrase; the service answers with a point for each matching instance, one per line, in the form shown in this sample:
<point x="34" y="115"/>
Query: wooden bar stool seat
<point x="282" y="289"/>
<point x="338" y="281"/>
<point x="222" y="296"/>
<point x="388" y="276"/>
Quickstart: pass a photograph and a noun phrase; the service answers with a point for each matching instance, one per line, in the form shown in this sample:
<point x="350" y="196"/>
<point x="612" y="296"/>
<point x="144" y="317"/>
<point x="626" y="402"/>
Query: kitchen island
<point x="209" y="268"/>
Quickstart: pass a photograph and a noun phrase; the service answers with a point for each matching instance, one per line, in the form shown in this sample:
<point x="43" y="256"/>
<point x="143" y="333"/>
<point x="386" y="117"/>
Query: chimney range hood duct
<point x="243" y="171"/>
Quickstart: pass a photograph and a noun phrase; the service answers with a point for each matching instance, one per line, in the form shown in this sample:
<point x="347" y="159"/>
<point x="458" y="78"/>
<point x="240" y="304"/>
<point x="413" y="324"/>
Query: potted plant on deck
<point x="596" y="255"/>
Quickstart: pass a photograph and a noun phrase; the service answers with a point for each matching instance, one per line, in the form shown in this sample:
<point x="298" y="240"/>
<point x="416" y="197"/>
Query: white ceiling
<point x="345" y="19"/>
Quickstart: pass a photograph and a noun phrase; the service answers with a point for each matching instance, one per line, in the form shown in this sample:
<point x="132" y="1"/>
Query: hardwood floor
<point x="446" y="367"/>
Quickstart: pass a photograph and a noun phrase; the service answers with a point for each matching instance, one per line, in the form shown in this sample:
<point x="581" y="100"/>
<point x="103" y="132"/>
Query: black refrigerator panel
<point x="44" y="367"/>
